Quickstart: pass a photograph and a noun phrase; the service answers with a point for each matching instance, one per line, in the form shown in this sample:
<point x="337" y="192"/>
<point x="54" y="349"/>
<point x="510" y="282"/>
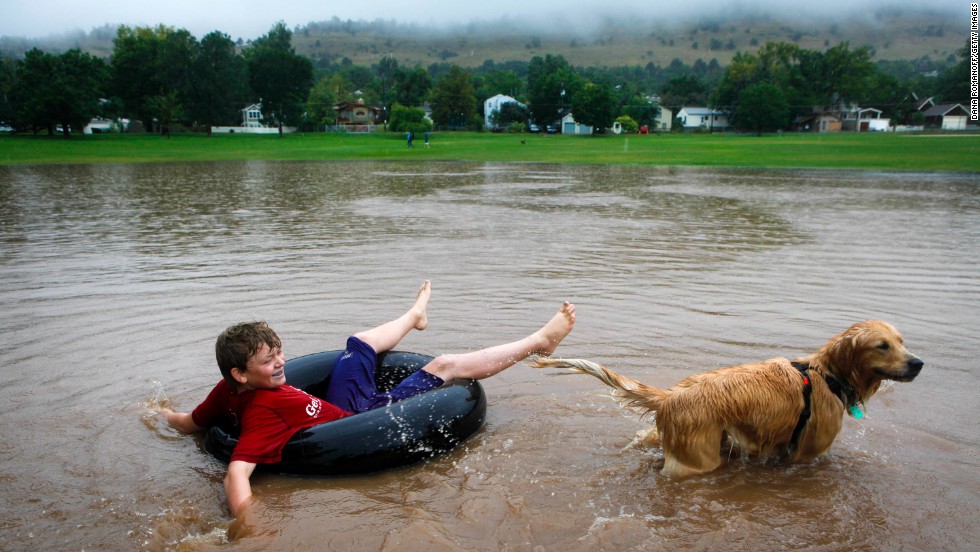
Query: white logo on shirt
<point x="313" y="409"/>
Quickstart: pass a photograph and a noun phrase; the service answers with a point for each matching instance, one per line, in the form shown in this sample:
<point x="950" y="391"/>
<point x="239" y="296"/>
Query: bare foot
<point x="555" y="330"/>
<point x="419" y="309"/>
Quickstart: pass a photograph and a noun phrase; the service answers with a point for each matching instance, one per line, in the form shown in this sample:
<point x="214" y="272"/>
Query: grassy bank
<point x="886" y="151"/>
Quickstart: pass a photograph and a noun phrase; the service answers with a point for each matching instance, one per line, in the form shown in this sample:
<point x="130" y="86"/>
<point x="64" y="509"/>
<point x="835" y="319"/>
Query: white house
<point x="947" y="117"/>
<point x="869" y="119"/>
<point x="252" y="123"/>
<point x="665" y="120"/>
<point x="494" y="104"/>
<point x="703" y="118"/>
<point x="569" y="126"/>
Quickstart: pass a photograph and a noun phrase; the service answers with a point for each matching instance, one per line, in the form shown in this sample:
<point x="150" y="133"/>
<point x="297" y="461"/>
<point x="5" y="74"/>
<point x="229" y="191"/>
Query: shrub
<point x="630" y="126"/>
<point x="404" y="119"/>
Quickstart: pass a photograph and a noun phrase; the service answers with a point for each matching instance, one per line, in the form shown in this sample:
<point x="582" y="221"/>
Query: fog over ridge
<point x="249" y="19"/>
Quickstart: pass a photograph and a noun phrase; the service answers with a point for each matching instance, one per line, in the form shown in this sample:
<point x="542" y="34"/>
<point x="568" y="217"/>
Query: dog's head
<point x="867" y="353"/>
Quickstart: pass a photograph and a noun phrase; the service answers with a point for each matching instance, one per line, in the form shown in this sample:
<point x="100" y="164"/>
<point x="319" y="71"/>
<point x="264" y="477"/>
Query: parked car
<point x="551" y="129"/>
<point x="533" y="128"/>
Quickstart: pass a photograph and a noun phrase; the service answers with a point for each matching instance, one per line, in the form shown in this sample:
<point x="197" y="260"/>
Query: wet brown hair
<point x="239" y="343"/>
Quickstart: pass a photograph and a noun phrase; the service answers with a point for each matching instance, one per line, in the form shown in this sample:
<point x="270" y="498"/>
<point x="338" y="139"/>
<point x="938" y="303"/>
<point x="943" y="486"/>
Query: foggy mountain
<point x="615" y="39"/>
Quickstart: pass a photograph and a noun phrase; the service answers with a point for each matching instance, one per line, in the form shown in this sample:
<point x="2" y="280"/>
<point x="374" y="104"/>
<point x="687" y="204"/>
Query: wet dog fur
<point x="756" y="407"/>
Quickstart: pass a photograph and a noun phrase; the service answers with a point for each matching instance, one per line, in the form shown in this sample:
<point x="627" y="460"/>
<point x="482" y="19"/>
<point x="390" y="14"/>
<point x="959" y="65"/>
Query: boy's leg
<point x="355" y="396"/>
<point x="386" y="336"/>
<point x="352" y="385"/>
<point x="490" y="361"/>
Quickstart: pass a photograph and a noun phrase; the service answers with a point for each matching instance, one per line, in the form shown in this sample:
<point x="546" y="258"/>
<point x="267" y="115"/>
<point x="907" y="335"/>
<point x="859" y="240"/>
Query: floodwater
<point x="115" y="280"/>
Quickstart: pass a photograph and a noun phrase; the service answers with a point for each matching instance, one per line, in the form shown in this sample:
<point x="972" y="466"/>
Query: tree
<point x="551" y="85"/>
<point x="134" y="64"/>
<point x="387" y="68"/>
<point x="280" y="77"/>
<point x="776" y="63"/>
<point x="595" y="106"/>
<point x="453" y="100"/>
<point x="58" y="90"/>
<point x="639" y="109"/>
<point x="30" y="93"/>
<point x="148" y="63"/>
<point x="953" y="84"/>
<point x="405" y="119"/>
<point x="220" y="83"/>
<point x="7" y="70"/>
<point x="686" y="90"/>
<point x="762" y="107"/>
<point x="509" y="112"/>
<point x="166" y="108"/>
<point x="503" y="82"/>
<point x="319" y="104"/>
<point x="842" y="75"/>
<point x="412" y="87"/>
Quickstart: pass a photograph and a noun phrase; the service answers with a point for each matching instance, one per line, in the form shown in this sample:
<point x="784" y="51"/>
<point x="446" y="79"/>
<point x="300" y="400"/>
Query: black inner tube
<point x="397" y="435"/>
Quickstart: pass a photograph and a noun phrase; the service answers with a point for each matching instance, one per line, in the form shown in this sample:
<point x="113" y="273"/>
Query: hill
<point x="892" y="34"/>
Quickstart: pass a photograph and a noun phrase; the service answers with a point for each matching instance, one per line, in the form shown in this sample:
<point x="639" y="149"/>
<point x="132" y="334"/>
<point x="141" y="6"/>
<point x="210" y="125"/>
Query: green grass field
<point x="885" y="151"/>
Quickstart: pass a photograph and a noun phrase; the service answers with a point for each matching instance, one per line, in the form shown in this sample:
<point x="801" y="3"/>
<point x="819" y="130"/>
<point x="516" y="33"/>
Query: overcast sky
<point x="252" y="18"/>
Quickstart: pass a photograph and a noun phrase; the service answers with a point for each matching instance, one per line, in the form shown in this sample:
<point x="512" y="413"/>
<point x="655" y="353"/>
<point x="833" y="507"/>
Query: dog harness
<point x="805" y="414"/>
<point x="840" y="389"/>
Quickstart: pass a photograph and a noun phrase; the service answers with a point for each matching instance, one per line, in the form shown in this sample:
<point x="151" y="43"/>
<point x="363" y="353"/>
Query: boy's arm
<point x="237" y="488"/>
<point x="181" y="421"/>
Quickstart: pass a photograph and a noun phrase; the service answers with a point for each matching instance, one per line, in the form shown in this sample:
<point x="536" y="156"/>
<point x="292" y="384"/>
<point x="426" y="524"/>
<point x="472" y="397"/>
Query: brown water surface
<point x="115" y="279"/>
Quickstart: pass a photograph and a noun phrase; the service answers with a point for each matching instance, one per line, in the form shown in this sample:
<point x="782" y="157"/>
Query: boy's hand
<point x="181" y="421"/>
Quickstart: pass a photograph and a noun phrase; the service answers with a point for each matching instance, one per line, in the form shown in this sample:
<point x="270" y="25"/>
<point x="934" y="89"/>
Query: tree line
<point x="164" y="77"/>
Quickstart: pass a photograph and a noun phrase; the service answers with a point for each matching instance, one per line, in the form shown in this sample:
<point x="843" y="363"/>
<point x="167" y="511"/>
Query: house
<point x="252" y="116"/>
<point x="703" y="118"/>
<point x="569" y="126"/>
<point x="858" y="119"/>
<point x="252" y="123"/>
<point x="947" y="117"/>
<point x="494" y="104"/>
<point x="913" y="113"/>
<point x="99" y="125"/>
<point x="665" y="120"/>
<point x="869" y="120"/>
<point x="817" y="121"/>
<point x="357" y="113"/>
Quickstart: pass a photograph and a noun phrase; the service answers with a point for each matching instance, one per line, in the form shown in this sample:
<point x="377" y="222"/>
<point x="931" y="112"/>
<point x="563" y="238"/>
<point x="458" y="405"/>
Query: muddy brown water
<point x="115" y="279"/>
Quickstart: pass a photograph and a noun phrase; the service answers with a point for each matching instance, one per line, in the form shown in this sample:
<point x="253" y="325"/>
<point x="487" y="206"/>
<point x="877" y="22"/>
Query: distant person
<point x="254" y="390"/>
<point x="410" y="138"/>
<point x="426" y="137"/>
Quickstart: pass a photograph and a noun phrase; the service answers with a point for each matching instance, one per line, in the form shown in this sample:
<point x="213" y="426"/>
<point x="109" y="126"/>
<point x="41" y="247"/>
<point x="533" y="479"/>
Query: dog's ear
<point x="839" y="352"/>
<point x="847" y="355"/>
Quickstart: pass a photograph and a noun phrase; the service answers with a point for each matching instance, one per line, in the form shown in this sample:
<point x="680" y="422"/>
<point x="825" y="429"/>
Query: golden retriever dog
<point x="773" y="409"/>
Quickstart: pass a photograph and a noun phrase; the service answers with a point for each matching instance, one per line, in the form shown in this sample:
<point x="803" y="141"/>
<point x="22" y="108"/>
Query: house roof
<point x="923" y="103"/>
<point x="701" y="111"/>
<point x="945" y="109"/>
<point x="501" y="99"/>
<point x="351" y="105"/>
<point x="815" y="117"/>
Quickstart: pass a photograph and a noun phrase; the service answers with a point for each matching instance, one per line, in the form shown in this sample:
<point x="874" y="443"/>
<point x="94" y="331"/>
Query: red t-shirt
<point x="270" y="417"/>
<point x="220" y="408"/>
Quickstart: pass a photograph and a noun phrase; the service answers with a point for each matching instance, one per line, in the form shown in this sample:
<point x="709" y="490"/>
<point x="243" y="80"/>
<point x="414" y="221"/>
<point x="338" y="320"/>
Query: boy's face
<point x="264" y="369"/>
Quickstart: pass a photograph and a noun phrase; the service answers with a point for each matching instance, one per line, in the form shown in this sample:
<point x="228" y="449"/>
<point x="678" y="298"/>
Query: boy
<point x="254" y="390"/>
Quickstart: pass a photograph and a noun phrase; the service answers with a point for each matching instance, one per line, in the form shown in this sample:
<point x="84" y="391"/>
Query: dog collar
<point x="844" y="392"/>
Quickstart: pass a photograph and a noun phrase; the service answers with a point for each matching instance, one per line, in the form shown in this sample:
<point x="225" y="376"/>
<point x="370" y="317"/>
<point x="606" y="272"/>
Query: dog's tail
<point x="628" y="391"/>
